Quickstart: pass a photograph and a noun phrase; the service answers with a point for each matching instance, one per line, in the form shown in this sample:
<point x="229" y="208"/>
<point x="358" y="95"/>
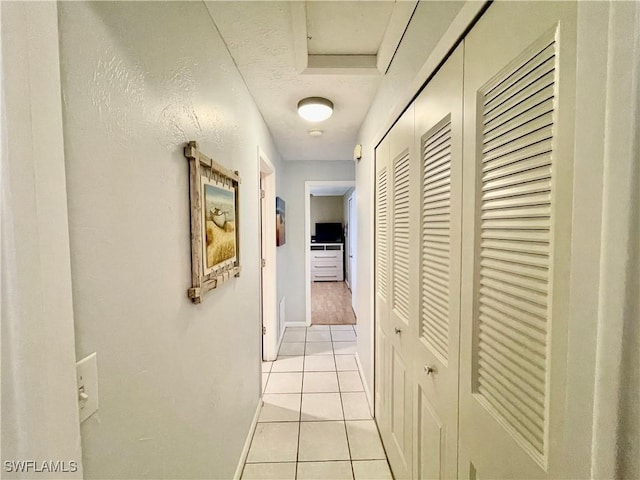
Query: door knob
<point x="429" y="369"/>
<point x="398" y="331"/>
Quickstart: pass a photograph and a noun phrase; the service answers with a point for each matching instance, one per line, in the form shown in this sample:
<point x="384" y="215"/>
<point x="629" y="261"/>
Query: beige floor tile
<point x="364" y="440"/>
<point x="265" y="378"/>
<point x="319" y="348"/>
<point x="343" y="336"/>
<point x="274" y="442"/>
<point x="288" y="364"/>
<point x="346" y="362"/>
<point x="344" y="348"/>
<point x="355" y="406"/>
<point x="280" y="407"/>
<point x="324" y="471"/>
<point x="321" y="406"/>
<point x="319" y="336"/>
<point x="322" y="441"/>
<point x="269" y="471"/>
<point x="371" y="470"/>
<point x="349" y="381"/>
<point x="319" y="382"/>
<point x="317" y="328"/>
<point x="293" y="348"/>
<point x="266" y="366"/>
<point x="294" y="335"/>
<point x="338" y="328"/>
<point x="319" y="363"/>
<point x="290" y="382"/>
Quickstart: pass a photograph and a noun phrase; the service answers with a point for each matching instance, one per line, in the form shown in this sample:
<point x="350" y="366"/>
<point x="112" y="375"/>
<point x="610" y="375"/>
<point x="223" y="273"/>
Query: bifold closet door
<point x="438" y="137"/>
<point x="519" y="82"/>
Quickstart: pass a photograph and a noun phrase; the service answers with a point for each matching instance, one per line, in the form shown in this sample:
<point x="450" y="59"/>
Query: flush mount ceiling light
<point x="315" y="109"/>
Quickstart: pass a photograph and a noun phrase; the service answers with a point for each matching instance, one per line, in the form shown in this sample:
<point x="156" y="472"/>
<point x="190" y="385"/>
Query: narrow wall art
<point x="281" y="237"/>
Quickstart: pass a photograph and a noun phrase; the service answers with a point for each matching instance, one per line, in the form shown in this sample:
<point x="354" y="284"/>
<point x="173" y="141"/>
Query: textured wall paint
<point x="39" y="391"/>
<point x="326" y="209"/>
<point x="291" y="256"/>
<point x="429" y="22"/>
<point x="179" y="383"/>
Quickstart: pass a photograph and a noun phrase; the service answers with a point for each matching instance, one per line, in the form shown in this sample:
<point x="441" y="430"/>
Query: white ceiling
<point x="350" y="43"/>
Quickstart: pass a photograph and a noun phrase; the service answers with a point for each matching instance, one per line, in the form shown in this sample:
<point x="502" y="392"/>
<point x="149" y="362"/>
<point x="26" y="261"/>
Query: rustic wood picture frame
<point x="204" y="171"/>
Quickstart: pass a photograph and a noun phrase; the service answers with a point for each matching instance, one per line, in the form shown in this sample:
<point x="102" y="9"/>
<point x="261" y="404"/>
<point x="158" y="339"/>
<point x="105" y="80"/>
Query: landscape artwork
<point x="219" y="209"/>
<point x="281" y="237"/>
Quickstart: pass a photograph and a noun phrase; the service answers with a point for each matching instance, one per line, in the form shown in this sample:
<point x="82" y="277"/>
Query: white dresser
<point x="327" y="264"/>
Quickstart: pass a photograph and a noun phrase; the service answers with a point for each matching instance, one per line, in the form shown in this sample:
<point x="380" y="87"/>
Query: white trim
<point x="367" y="391"/>
<point x="247" y="442"/>
<point x="308" y="185"/>
<point x="268" y="252"/>
<point x="295" y="324"/>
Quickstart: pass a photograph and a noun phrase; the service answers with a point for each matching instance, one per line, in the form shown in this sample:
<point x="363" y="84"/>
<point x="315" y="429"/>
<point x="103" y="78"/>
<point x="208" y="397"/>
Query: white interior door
<point x="403" y="170"/>
<point x="518" y="155"/>
<point x="438" y="137"/>
<point x="351" y="248"/>
<point x="381" y="288"/>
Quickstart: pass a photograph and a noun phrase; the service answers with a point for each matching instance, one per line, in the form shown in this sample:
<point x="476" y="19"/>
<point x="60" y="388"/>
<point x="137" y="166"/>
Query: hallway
<point x="315" y="422"/>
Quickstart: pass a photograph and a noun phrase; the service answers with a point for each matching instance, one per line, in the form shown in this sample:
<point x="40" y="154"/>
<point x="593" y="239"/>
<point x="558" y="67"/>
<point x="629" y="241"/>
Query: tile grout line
<point x="344" y="418"/>
<point x="304" y="358"/>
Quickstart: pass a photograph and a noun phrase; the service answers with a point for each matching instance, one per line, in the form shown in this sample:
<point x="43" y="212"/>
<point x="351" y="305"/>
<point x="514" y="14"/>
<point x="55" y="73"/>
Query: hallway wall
<point x="291" y="256"/>
<point x="179" y="383"/>
<point x="39" y="390"/>
<point x="428" y="24"/>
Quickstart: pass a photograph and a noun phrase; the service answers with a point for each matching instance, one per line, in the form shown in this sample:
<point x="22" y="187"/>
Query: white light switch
<point x="87" y="376"/>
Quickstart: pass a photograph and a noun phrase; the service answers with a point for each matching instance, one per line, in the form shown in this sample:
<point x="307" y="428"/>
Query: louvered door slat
<point x="400" y="260"/>
<point x="382" y="238"/>
<point x="515" y="219"/>
<point x="436" y="222"/>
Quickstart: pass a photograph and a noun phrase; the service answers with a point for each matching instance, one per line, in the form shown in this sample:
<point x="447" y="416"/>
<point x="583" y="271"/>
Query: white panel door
<point x="438" y="137"/>
<point x="519" y="85"/>
<point x="403" y="169"/>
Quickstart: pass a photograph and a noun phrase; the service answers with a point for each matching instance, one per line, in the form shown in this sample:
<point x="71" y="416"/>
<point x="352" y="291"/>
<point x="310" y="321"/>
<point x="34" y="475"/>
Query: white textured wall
<point x="179" y="383"/>
<point x="39" y="396"/>
<point x="291" y="256"/>
<point x="429" y="22"/>
<point x="329" y="209"/>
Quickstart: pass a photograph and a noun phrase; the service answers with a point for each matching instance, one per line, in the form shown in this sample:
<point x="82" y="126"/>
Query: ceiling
<point x="286" y="51"/>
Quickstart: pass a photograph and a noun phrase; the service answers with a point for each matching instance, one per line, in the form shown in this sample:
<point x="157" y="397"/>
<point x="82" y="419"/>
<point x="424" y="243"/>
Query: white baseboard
<point x="296" y="324"/>
<point x="367" y="392"/>
<point x="247" y="443"/>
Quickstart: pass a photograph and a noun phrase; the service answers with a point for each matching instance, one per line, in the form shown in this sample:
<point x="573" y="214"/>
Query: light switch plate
<point x="87" y="377"/>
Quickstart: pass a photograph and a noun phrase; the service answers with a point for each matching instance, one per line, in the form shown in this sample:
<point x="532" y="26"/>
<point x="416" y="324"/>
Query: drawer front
<point x="327" y="277"/>
<point x="326" y="269"/>
<point x="323" y="255"/>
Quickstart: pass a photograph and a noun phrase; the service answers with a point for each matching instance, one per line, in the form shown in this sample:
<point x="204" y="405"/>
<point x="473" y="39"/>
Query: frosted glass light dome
<point x="315" y="109"/>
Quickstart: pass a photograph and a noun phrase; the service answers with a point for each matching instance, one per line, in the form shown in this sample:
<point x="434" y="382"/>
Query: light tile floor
<point x="315" y="422"/>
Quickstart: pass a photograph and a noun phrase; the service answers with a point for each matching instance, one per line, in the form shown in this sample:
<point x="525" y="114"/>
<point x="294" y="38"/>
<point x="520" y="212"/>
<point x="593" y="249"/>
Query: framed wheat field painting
<point x="215" y="240"/>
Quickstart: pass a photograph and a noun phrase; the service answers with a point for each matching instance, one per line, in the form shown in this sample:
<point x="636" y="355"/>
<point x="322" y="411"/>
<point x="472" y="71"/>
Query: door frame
<point x="268" y="278"/>
<point x="308" y="186"/>
<point x="352" y="261"/>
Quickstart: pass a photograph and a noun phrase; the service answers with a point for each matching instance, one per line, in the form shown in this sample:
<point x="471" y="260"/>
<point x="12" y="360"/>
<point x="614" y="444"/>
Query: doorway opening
<point x="330" y="226"/>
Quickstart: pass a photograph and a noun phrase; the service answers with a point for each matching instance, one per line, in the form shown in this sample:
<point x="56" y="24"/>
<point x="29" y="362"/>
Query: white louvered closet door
<point x="518" y="156"/>
<point x="382" y="285"/>
<point x="402" y="293"/>
<point x="438" y="136"/>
